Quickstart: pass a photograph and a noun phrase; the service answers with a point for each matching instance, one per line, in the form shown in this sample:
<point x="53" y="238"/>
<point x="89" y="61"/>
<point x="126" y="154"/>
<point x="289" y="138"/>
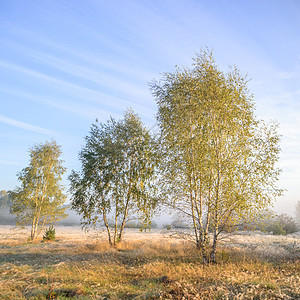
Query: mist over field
<point x="73" y="219"/>
<point x="6" y="218"/>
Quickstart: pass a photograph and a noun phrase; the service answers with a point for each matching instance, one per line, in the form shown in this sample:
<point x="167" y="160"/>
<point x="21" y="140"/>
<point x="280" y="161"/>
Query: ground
<point x="153" y="265"/>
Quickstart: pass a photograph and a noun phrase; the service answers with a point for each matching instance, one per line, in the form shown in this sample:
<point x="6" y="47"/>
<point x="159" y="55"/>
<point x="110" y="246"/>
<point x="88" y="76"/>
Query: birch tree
<point x="39" y="201"/>
<point x="116" y="180"/>
<point x="219" y="164"/>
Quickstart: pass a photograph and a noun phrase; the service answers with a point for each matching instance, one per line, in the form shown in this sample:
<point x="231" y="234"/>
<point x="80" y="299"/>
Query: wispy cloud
<point x="87" y="57"/>
<point x="8" y="162"/>
<point x="92" y="94"/>
<point x="97" y="74"/>
<point x="25" y="126"/>
<point x="72" y="107"/>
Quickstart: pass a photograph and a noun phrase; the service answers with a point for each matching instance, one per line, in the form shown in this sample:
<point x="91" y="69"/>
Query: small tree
<point x="219" y="164"/>
<point x="39" y="200"/>
<point x="116" y="181"/>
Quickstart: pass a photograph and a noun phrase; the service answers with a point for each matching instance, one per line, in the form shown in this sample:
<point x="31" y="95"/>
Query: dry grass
<point x="145" y="266"/>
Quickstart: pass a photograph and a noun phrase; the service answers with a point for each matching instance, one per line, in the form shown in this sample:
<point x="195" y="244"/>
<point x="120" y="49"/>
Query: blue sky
<point x="65" y="63"/>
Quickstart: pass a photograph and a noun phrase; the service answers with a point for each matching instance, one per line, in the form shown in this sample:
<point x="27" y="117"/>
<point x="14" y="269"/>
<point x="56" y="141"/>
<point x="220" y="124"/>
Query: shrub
<point x="179" y="224"/>
<point x="49" y="234"/>
<point x="132" y="224"/>
<point x="288" y="223"/>
<point x="167" y="226"/>
<point x="277" y="228"/>
<point x="282" y="224"/>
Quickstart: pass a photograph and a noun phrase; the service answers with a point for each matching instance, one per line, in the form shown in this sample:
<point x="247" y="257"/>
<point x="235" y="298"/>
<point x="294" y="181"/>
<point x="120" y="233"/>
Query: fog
<point x="73" y="219"/>
<point x="161" y="220"/>
<point x="6" y="218"/>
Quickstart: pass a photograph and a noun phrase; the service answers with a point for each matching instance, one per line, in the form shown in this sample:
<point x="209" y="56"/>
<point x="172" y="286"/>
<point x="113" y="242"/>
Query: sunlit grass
<point x="146" y="268"/>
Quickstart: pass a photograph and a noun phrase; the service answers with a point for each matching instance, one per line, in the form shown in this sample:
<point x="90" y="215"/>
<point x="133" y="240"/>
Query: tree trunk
<point x="107" y="228"/>
<point x="116" y="225"/>
<point x="126" y="208"/>
<point x="124" y="221"/>
<point x="194" y="223"/>
<point x="34" y="229"/>
<point x="41" y="227"/>
<point x="212" y="256"/>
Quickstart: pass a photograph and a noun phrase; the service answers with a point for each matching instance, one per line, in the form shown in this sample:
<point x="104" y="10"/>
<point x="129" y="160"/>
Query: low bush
<point x="49" y="234"/>
<point x="281" y="225"/>
<point x="179" y="224"/>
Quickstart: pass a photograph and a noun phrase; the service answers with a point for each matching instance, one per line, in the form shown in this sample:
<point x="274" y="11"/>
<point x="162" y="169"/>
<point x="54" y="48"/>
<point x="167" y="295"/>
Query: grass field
<point x="154" y="265"/>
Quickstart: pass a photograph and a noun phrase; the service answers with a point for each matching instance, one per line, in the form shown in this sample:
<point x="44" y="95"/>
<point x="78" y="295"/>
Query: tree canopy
<point x="219" y="164"/>
<point x="116" y="180"/>
<point x="39" y="200"/>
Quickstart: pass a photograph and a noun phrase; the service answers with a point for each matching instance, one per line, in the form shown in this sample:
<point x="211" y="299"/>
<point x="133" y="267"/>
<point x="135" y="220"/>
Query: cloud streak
<point x="92" y="94"/>
<point x="8" y="162"/>
<point x="25" y="126"/>
<point x="96" y="75"/>
<point x="86" y="58"/>
<point x="72" y="107"/>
